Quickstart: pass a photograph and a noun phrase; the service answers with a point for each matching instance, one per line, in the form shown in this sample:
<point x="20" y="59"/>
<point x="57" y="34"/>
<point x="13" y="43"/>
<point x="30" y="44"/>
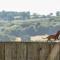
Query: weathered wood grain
<point x="2" y="51"/>
<point x="21" y="51"/>
<point x="29" y="51"/>
<point x="54" y="52"/>
<point x="10" y="51"/>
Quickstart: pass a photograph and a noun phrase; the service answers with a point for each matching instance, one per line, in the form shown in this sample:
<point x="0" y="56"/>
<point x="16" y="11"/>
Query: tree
<point x="35" y="15"/>
<point x="58" y="13"/>
<point x="28" y="15"/>
<point x="51" y="14"/>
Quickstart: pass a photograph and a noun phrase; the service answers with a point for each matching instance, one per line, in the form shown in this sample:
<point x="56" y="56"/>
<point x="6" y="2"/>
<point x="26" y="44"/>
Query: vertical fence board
<point x="58" y="54"/>
<point x="54" y="52"/>
<point x="32" y="51"/>
<point x="57" y="57"/>
<point x="10" y="51"/>
<point x="2" y="51"/>
<point x="21" y="51"/>
<point x="44" y="51"/>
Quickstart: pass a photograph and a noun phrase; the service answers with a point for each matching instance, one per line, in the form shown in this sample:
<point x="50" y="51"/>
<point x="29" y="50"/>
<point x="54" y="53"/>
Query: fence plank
<point x="10" y="51"/>
<point x="58" y="54"/>
<point x="54" y="52"/>
<point x="2" y="51"/>
<point x="32" y="51"/>
<point x="21" y="51"/>
<point x="45" y="51"/>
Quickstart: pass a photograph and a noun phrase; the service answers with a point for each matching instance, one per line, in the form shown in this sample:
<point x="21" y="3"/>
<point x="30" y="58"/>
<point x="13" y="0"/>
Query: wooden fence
<point x="29" y="51"/>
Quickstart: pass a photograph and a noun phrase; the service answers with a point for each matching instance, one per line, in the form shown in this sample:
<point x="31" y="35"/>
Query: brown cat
<point x="55" y="36"/>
